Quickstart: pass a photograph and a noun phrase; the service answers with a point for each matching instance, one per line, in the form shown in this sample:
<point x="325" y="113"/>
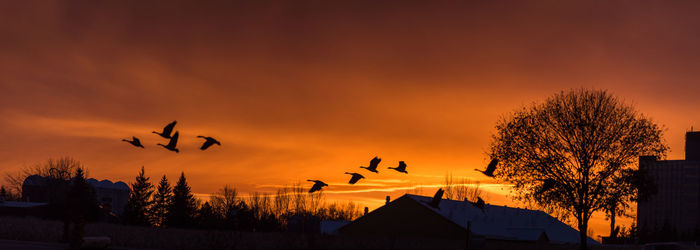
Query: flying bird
<point x="479" y="203"/>
<point x="401" y="168"/>
<point x="173" y="143"/>
<point x="209" y="141"/>
<point x="355" y="177"/>
<point x="491" y="167"/>
<point x="167" y="130"/>
<point x="134" y="141"/>
<point x="437" y="198"/>
<point x="317" y="185"/>
<point x="373" y="164"/>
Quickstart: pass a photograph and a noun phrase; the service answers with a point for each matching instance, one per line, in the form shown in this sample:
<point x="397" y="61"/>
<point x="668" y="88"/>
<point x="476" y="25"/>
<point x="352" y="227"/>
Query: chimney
<point x="388" y="199"/>
<point x="692" y="146"/>
<point x="366" y="210"/>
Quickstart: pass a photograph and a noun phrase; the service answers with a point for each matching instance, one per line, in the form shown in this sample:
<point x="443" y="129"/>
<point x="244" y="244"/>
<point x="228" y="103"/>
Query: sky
<point x="298" y="90"/>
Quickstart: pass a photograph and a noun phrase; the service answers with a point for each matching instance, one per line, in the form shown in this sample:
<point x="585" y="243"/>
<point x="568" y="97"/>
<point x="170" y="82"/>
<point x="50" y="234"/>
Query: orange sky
<point x="311" y="89"/>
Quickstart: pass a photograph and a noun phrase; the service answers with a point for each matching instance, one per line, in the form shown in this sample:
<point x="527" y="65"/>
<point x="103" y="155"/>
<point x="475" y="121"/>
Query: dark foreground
<point x="32" y="233"/>
<point x="33" y="245"/>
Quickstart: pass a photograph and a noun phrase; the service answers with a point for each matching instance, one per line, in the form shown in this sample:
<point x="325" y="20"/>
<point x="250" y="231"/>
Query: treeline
<point x="164" y="205"/>
<point x="289" y="208"/>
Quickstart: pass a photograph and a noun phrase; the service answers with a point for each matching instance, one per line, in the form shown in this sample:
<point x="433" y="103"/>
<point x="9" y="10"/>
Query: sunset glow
<point x="310" y="90"/>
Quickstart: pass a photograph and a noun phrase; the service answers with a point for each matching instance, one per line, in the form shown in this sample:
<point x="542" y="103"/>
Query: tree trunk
<point x="583" y="229"/>
<point x="613" y="235"/>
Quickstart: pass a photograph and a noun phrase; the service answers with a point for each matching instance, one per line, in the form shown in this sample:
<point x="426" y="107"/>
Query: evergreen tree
<point x="184" y="205"/>
<point x="3" y="193"/>
<point x="82" y="206"/>
<point x="137" y="208"/>
<point x="161" y="202"/>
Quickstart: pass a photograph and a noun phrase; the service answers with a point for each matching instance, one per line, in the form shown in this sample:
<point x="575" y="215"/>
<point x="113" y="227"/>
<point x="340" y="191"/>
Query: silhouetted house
<point x="42" y="189"/>
<point x="331" y="227"/>
<point x="111" y="195"/>
<point x="675" y="208"/>
<point x="412" y="216"/>
<point x="303" y="224"/>
<point x="35" y="189"/>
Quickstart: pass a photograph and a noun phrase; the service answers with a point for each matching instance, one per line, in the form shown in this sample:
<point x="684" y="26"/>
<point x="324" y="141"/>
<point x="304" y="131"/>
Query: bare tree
<point x="462" y="189"/>
<point x="224" y="200"/>
<point x="564" y="153"/>
<point x="260" y="204"/>
<point x="63" y="168"/>
<point x="282" y="201"/>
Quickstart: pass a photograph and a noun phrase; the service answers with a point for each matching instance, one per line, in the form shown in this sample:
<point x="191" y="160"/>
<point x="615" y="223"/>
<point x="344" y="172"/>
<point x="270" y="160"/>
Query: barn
<point x="412" y="216"/>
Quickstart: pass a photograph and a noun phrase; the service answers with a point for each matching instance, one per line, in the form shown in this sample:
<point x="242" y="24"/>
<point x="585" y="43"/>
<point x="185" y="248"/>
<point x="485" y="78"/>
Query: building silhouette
<point x="112" y="196"/>
<point x="675" y="209"/>
<point x="512" y="228"/>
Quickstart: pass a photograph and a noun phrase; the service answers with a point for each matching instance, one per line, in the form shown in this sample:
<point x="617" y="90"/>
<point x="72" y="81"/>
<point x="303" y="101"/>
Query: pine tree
<point x="137" y="208"/>
<point x="161" y="202"/>
<point x="82" y="205"/>
<point x="3" y="193"/>
<point x="183" y="206"/>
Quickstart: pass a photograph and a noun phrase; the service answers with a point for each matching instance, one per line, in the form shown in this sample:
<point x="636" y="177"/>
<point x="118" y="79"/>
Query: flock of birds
<point x="167" y="133"/>
<point x="355" y="177"/>
<point x="374" y="163"/>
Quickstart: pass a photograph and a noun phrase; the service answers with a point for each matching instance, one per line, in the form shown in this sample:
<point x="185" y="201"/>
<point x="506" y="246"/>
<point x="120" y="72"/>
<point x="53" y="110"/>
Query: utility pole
<point x="469" y="235"/>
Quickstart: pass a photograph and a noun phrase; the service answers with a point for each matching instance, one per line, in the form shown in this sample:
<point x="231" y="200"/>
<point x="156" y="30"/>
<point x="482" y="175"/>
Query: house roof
<point x="36" y="180"/>
<point x="502" y="222"/>
<point x="107" y="184"/>
<point x="21" y="204"/>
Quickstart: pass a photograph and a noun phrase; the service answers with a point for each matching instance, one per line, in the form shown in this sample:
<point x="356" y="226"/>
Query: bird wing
<point x="355" y="178"/>
<point x="492" y="166"/>
<point x="207" y="144"/>
<point x="169" y="128"/>
<point x="317" y="186"/>
<point x="173" y="139"/>
<point x="135" y="139"/>
<point x="374" y="162"/>
<point x="480" y="203"/>
<point x="437" y="198"/>
<point x="137" y="142"/>
<point x="402" y="165"/>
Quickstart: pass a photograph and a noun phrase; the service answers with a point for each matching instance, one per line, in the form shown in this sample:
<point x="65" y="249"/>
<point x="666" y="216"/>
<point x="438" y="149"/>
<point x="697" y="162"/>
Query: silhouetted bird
<point x="317" y="185"/>
<point x="479" y="203"/>
<point x="167" y="130"/>
<point x="134" y="141"/>
<point x="373" y="164"/>
<point x="437" y="198"/>
<point x="355" y="177"/>
<point x="490" y="168"/>
<point x="173" y="143"/>
<point x="401" y="168"/>
<point x="210" y="141"/>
